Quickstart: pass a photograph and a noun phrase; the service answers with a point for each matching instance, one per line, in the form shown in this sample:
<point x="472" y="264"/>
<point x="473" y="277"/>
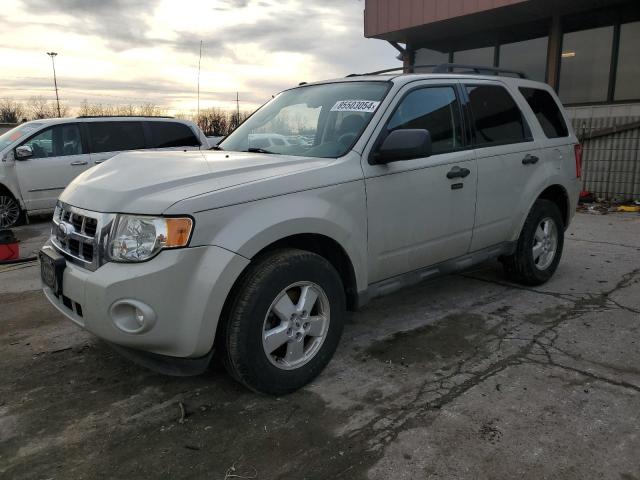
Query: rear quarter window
<point x="497" y="118"/>
<point x="547" y="112"/>
<point x="116" y="136"/>
<point x="172" y="134"/>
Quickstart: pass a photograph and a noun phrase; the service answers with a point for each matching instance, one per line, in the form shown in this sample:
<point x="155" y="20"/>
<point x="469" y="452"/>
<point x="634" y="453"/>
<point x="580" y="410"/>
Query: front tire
<point x="284" y="323"/>
<point x="539" y="247"/>
<point x="10" y="211"/>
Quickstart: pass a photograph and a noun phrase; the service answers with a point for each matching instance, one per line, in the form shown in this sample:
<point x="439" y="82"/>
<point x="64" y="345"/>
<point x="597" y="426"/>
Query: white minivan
<point x="39" y="159"/>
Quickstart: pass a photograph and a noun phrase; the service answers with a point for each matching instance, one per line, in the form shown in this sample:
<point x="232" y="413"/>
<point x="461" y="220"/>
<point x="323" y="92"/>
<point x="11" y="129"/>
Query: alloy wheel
<point x="545" y="244"/>
<point x="296" y="325"/>
<point x="9" y="211"/>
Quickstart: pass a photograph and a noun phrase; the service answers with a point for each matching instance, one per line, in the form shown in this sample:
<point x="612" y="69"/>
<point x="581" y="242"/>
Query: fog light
<point x="132" y="316"/>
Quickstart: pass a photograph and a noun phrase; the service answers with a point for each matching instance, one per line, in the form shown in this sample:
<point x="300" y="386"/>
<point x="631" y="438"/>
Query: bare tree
<point x="130" y="110"/>
<point x="39" y="108"/>
<point x="150" y="110"/>
<point x="213" y="122"/>
<point x="236" y="120"/>
<point x="11" y="111"/>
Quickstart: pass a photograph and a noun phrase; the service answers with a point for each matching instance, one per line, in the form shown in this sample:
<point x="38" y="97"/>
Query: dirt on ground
<point x="465" y="376"/>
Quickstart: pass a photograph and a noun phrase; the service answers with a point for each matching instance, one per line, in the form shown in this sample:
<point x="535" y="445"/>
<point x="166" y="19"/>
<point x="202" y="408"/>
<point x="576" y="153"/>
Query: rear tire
<point x="539" y="246"/>
<point x="284" y="323"/>
<point x="11" y="214"/>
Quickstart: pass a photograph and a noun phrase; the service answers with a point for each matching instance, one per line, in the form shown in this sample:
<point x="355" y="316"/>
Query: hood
<point x="150" y="182"/>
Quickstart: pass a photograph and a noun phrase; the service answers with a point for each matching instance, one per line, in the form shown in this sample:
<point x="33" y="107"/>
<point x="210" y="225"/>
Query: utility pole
<point x="199" y="60"/>
<point x="55" y="82"/>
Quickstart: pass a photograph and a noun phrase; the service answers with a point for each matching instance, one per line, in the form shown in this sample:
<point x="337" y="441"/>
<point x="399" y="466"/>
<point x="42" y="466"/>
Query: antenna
<point x="199" y="61"/>
<point x="237" y="109"/>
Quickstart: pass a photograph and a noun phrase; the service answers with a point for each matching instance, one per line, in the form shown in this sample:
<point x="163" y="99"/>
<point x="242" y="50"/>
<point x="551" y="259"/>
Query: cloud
<point x="258" y="47"/>
<point x="122" y="23"/>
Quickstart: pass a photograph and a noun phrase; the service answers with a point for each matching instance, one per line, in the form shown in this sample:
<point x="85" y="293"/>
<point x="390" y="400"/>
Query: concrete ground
<point x="465" y="377"/>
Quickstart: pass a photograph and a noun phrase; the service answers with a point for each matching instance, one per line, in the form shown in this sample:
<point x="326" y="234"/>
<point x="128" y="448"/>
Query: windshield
<point x="17" y="133"/>
<point x="313" y="121"/>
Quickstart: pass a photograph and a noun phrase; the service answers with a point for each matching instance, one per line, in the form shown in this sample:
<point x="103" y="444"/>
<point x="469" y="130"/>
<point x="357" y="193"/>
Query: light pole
<point x="55" y="82"/>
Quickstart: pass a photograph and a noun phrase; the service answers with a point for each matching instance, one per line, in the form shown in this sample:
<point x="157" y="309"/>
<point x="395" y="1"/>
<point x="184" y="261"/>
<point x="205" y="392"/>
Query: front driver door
<point x="58" y="157"/>
<point x="418" y="216"/>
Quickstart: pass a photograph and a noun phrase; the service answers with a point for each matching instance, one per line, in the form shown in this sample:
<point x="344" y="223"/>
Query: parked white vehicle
<point x="38" y="159"/>
<point x="254" y="254"/>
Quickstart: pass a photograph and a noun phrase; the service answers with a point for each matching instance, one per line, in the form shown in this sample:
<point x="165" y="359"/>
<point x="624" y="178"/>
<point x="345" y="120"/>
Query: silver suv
<point x="254" y="255"/>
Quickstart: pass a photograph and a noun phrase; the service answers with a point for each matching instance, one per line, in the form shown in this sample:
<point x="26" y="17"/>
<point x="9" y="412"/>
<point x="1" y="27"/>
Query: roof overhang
<point x="462" y="28"/>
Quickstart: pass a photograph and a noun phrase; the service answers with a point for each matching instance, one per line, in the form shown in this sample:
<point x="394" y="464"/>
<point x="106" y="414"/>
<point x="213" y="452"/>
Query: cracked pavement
<point x="466" y="376"/>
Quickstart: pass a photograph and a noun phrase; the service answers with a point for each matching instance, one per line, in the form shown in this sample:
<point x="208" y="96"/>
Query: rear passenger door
<point x="108" y="138"/>
<point x="167" y="135"/>
<point x="508" y="159"/>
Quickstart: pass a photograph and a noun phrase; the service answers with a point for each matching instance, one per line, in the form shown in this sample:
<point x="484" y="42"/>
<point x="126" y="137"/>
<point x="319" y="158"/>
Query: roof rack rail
<point x="448" y="68"/>
<point x="124" y="116"/>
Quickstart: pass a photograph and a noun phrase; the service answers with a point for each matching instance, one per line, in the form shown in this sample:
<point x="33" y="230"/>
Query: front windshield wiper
<point x="258" y="150"/>
<point x="216" y="147"/>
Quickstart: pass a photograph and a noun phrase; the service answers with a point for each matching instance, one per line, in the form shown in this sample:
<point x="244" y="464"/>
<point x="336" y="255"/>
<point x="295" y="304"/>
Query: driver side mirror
<point x="23" y="152"/>
<point x="403" y="145"/>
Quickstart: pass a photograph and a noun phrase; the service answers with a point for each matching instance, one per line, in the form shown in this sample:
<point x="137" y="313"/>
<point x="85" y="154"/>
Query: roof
<point x="404" y="78"/>
<point x="56" y="121"/>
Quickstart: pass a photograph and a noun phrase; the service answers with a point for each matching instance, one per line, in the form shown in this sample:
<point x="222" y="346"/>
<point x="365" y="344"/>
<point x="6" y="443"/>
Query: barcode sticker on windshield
<point x="365" y="106"/>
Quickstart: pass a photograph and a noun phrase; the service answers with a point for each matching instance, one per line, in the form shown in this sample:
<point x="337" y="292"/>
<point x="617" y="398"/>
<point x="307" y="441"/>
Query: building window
<point x="627" y="85"/>
<point x="585" y="64"/>
<point x="425" y="56"/>
<point x="529" y="57"/>
<point x="498" y="120"/>
<point x="478" y="56"/>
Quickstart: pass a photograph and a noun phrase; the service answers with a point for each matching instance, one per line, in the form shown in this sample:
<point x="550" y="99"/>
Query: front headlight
<point x="136" y="238"/>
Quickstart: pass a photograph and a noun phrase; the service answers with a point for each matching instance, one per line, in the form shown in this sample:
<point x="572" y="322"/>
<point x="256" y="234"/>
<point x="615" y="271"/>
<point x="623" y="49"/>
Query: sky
<point x="146" y="51"/>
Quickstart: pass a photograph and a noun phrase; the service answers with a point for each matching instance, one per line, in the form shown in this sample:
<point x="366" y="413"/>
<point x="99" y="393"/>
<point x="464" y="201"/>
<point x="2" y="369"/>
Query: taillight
<point x="578" y="151"/>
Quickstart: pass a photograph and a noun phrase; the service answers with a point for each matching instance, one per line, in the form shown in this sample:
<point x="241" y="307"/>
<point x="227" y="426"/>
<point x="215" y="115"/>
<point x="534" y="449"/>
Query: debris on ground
<point x="628" y="208"/>
<point x="231" y="473"/>
<point x="590" y="204"/>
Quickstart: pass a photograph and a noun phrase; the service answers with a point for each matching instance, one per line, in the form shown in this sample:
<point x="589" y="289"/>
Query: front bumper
<point x="185" y="289"/>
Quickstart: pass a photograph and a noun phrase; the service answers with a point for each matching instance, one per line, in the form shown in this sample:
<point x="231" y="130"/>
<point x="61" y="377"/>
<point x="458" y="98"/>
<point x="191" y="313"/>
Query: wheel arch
<point x="4" y="188"/>
<point x="320" y="244"/>
<point x="558" y="195"/>
<point x="555" y="193"/>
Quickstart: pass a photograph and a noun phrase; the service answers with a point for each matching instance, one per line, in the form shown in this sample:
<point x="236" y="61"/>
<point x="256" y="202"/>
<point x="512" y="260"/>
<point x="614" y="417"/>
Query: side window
<point x="41" y="144"/>
<point x="58" y="141"/>
<point x="435" y="109"/>
<point x="547" y="112"/>
<point x="498" y="120"/>
<point x="116" y="136"/>
<point x="170" y="134"/>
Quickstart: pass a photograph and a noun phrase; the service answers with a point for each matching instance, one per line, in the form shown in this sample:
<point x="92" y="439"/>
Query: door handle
<point x="98" y="162"/>
<point x="530" y="160"/>
<point x="457" y="172"/>
<point x="79" y="162"/>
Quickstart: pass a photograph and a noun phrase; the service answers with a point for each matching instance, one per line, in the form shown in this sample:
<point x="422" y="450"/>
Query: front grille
<point x="76" y="233"/>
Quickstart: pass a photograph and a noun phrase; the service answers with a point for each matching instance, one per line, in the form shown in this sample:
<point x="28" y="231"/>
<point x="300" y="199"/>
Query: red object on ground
<point x="9" y="248"/>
